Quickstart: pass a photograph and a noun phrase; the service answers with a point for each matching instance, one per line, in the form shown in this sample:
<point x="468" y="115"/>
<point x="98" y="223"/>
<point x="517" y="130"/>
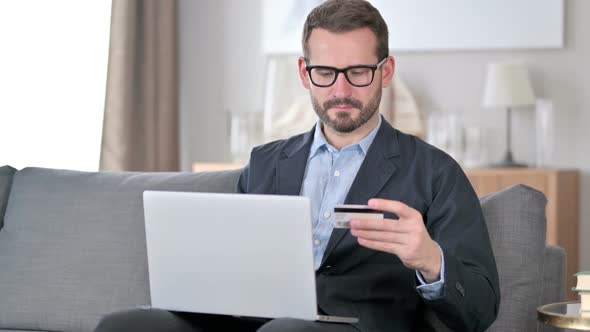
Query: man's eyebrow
<point x="353" y="65"/>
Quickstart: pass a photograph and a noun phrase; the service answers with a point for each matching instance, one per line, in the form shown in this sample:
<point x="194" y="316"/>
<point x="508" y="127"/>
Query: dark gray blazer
<point x="375" y="286"/>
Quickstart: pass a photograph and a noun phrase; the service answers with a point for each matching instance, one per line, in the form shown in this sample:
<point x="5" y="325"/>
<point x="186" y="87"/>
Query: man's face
<point x="342" y="106"/>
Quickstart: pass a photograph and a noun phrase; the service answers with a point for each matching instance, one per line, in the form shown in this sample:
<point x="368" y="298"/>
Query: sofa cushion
<point x="517" y="225"/>
<point x="73" y="244"/>
<point x="6" y="173"/>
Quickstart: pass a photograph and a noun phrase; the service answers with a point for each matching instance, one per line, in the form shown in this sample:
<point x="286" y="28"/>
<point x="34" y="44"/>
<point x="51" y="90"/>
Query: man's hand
<point x="407" y="237"/>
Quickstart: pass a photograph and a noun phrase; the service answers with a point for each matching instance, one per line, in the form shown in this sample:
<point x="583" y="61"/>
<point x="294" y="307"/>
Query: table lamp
<point x="507" y="86"/>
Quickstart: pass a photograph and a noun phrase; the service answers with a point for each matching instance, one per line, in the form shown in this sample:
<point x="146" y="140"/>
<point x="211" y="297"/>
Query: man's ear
<point x="388" y="69"/>
<point x="303" y="73"/>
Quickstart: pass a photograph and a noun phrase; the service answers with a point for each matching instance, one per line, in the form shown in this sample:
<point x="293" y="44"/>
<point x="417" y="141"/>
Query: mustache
<point x="350" y="102"/>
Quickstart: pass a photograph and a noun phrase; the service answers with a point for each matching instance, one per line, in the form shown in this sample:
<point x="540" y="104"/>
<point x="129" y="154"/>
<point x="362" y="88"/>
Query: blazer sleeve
<point x="455" y="221"/>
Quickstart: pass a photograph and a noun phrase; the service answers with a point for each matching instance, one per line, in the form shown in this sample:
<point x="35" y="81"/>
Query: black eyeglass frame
<point x="344" y="71"/>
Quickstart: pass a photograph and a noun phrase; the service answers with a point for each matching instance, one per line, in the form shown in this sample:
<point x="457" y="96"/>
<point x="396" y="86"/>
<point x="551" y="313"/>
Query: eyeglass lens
<point x="358" y="76"/>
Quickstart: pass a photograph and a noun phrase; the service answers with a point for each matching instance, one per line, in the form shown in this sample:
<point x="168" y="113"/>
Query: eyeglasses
<point x="359" y="76"/>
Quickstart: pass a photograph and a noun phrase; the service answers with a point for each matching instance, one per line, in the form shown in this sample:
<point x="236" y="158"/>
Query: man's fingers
<point x="379" y="245"/>
<point x="379" y="236"/>
<point x="397" y="207"/>
<point x="387" y="225"/>
<point x="372" y="224"/>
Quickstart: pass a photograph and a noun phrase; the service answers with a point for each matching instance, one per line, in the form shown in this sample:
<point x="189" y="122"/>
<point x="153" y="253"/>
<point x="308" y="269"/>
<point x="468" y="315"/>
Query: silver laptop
<point x="232" y="254"/>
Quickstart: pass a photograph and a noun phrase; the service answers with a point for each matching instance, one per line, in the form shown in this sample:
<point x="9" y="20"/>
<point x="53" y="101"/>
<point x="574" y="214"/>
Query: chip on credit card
<point x="343" y="214"/>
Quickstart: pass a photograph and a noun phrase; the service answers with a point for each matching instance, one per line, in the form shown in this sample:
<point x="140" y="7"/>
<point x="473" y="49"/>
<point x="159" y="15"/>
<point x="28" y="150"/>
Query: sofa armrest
<point x="554" y="276"/>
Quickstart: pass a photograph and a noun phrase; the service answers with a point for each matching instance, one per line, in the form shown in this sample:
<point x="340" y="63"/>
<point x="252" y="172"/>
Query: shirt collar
<point x="319" y="140"/>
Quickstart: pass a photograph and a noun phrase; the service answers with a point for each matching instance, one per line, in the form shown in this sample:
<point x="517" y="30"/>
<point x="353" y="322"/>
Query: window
<point x="53" y="66"/>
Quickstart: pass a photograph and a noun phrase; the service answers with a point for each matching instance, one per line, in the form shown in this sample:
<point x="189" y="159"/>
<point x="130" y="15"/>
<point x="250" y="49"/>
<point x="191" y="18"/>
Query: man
<point x="432" y="250"/>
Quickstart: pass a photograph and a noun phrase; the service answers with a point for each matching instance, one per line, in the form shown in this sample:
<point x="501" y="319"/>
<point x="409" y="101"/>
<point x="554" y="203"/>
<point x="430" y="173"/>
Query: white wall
<point x="226" y="34"/>
<point x="221" y="71"/>
<point x="202" y="131"/>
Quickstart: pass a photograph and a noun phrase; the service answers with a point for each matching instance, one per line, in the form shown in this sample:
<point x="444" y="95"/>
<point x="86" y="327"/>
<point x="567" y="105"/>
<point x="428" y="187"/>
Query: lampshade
<point x="507" y="85"/>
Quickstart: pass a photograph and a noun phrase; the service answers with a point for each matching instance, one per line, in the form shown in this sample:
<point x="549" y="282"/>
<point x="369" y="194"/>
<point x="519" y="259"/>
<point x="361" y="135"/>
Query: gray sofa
<point x="72" y="246"/>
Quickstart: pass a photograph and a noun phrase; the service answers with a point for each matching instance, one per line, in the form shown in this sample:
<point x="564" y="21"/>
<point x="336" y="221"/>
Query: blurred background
<point x="193" y="85"/>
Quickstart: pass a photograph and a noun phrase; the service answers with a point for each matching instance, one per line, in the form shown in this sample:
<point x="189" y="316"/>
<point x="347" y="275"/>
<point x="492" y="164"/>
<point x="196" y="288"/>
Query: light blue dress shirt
<point x="328" y="177"/>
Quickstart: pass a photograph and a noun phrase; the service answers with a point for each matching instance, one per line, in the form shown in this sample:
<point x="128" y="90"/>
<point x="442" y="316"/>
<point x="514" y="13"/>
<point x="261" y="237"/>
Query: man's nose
<point x="342" y="88"/>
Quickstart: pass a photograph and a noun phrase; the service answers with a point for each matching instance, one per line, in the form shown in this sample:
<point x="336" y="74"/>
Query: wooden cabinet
<point x="215" y="167"/>
<point x="560" y="187"/>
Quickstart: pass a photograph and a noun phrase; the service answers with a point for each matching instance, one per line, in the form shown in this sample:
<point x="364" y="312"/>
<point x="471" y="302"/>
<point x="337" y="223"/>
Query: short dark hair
<point x="344" y="16"/>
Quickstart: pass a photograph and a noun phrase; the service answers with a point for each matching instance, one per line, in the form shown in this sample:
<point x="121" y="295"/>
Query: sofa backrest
<point x="73" y="244"/>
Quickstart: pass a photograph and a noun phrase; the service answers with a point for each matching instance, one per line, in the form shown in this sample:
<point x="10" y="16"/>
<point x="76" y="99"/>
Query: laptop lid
<point x="230" y="254"/>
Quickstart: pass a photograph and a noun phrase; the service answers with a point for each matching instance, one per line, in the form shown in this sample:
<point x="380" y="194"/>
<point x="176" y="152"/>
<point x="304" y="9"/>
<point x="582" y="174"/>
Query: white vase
<point x="545" y="132"/>
<point x="474" y="150"/>
<point x="444" y="132"/>
<point x="246" y="133"/>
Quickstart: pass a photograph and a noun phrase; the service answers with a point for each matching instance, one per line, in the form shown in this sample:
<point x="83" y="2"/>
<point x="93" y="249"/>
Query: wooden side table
<point x="560" y="186"/>
<point x="215" y="167"/>
<point x="565" y="315"/>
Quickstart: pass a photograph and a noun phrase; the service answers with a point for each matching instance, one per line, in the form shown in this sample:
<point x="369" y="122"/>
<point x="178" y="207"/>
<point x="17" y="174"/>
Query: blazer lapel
<point x="375" y="171"/>
<point x="291" y="165"/>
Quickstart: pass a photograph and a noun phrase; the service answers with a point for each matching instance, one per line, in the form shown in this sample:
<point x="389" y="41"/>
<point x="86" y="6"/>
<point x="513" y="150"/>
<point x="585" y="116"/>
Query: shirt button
<point x="327" y="214"/>
<point x="337" y="173"/>
<point x="316" y="242"/>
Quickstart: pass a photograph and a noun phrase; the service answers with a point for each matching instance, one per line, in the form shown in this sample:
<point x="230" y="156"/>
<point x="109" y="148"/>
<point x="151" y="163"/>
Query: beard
<point x="344" y="122"/>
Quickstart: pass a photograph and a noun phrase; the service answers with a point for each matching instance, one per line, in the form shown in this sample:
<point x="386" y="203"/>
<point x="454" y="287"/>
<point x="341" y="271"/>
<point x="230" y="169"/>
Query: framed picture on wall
<point x="434" y="25"/>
